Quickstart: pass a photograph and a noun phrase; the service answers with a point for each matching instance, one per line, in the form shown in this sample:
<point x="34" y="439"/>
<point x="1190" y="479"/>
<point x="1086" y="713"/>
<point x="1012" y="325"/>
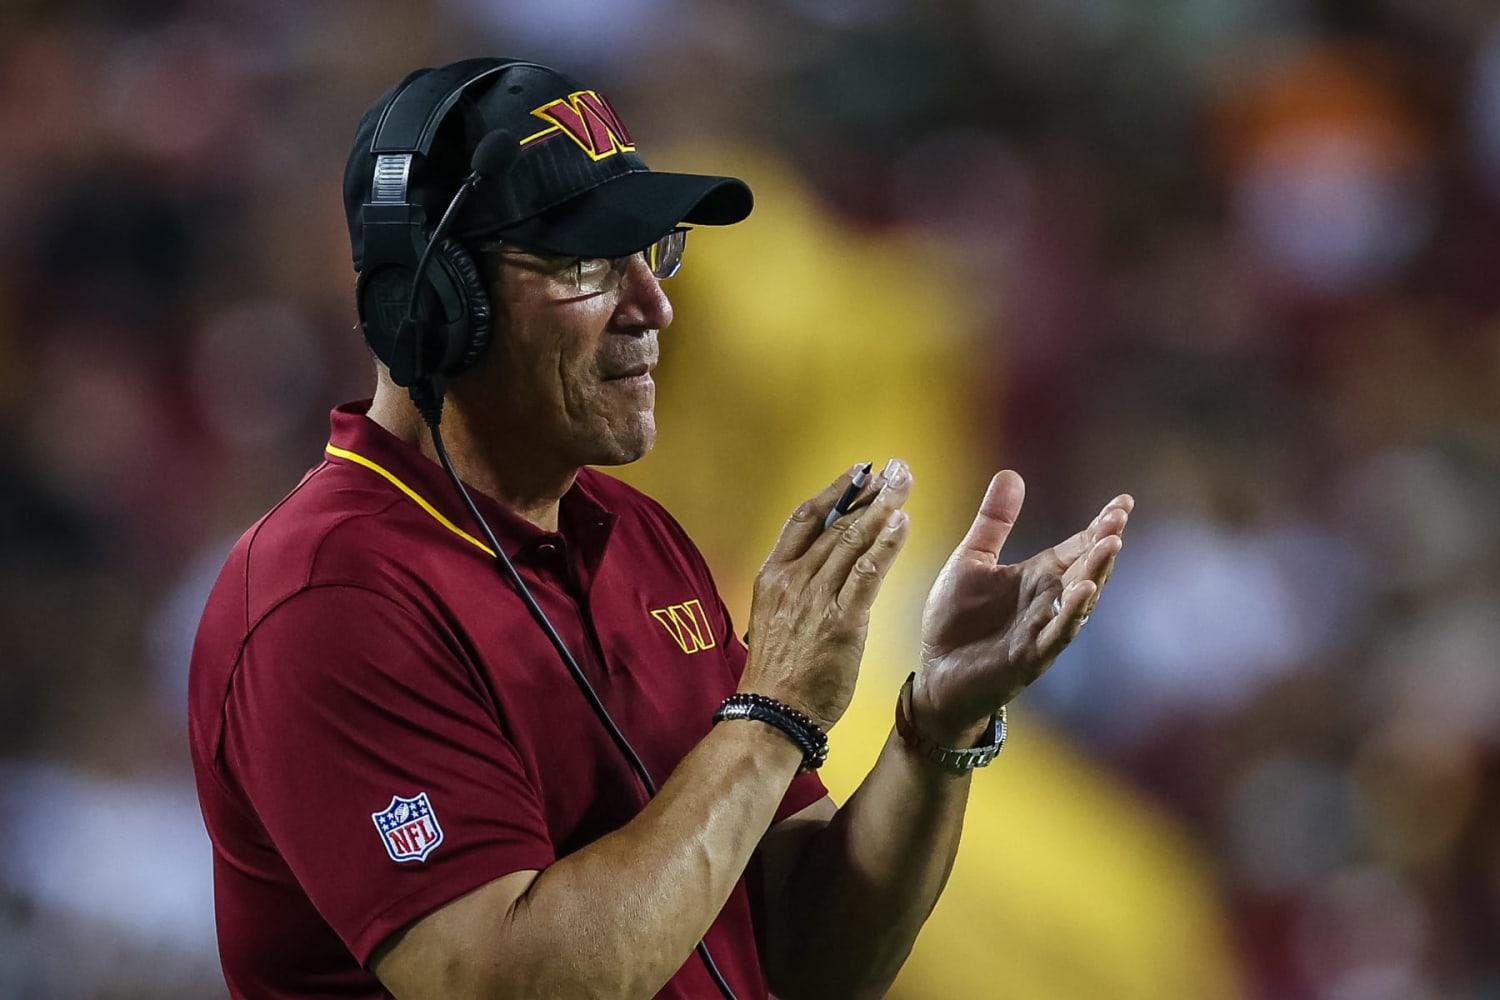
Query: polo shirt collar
<point x="584" y="525"/>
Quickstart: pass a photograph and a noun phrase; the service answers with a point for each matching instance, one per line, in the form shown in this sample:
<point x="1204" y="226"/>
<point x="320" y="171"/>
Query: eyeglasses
<point x="595" y="275"/>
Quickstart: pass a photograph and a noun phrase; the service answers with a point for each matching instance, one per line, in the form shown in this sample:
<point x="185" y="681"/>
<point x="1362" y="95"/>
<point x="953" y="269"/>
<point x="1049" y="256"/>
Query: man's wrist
<point x="966" y="752"/>
<point x="800" y="729"/>
<point x="766" y="740"/>
<point x="930" y="722"/>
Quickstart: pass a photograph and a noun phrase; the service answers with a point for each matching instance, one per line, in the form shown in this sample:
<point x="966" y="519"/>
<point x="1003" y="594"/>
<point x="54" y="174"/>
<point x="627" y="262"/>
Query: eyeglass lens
<point x="664" y="257"/>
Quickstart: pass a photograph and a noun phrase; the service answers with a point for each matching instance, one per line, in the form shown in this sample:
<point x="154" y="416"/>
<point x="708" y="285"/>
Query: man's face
<point x="571" y="371"/>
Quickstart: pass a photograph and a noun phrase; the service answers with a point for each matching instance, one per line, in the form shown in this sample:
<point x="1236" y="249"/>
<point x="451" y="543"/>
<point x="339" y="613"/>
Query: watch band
<point x="949" y="759"/>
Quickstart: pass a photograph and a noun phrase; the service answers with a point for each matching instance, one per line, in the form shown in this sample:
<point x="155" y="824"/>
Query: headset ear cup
<point x="381" y="295"/>
<point x="470" y="344"/>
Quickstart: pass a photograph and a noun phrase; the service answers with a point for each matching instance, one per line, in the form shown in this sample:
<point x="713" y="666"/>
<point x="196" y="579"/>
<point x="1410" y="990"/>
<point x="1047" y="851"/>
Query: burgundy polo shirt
<point x="379" y="727"/>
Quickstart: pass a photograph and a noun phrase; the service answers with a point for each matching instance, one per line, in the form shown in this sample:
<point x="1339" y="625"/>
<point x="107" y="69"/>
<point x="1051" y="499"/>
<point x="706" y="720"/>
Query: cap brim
<point x="631" y="212"/>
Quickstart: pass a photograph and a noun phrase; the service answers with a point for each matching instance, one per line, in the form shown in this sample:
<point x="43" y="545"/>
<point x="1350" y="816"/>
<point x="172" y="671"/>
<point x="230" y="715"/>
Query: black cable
<point x="431" y="414"/>
<point x="492" y="158"/>
<point x="424" y="261"/>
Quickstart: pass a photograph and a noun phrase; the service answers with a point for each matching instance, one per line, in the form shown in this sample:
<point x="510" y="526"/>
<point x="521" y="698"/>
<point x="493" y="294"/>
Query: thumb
<point x="997" y="515"/>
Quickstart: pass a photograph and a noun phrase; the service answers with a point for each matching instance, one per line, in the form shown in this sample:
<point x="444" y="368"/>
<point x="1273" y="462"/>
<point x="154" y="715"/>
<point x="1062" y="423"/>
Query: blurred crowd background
<point x="1238" y="257"/>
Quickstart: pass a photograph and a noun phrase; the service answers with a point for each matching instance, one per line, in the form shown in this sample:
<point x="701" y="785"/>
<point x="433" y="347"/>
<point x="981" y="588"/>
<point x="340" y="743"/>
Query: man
<point x="412" y="789"/>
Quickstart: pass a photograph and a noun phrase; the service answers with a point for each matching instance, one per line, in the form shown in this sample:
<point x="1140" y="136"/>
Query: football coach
<point x="469" y="718"/>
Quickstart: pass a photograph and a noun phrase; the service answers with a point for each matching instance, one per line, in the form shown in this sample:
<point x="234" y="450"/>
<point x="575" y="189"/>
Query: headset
<point x="426" y="314"/>
<point x="422" y="301"/>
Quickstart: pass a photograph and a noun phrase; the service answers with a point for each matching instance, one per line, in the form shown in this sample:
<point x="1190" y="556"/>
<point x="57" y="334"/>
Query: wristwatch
<point x="949" y="759"/>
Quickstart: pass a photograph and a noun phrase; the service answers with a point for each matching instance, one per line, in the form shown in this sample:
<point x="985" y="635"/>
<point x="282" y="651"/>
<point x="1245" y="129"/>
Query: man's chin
<point x="627" y="445"/>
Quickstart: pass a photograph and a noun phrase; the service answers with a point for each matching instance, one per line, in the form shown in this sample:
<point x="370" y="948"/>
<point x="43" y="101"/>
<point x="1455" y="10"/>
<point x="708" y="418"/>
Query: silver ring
<point x="1057" y="610"/>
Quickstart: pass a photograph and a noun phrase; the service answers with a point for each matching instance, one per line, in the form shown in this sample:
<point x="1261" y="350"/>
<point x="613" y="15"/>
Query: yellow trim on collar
<point x="390" y="477"/>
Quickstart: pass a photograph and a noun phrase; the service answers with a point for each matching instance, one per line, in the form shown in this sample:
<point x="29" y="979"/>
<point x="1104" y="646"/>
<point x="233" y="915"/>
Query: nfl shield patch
<point x="408" y="828"/>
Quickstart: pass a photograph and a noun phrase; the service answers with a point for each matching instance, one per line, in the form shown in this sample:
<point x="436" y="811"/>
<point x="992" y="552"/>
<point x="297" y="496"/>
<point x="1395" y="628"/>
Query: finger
<point x="1110" y="520"/>
<point x="997" y="515"/>
<point x="853" y="536"/>
<point x="1102" y="560"/>
<point x="1077" y="598"/>
<point x="1097" y="563"/>
<point x="806" y="522"/>
<point x="1103" y="574"/>
<point x="1097" y="568"/>
<point x="869" y="570"/>
<point x="863" y="498"/>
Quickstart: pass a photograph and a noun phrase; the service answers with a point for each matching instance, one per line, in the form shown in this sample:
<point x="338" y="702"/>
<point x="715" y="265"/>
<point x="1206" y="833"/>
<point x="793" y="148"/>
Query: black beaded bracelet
<point x="802" y="731"/>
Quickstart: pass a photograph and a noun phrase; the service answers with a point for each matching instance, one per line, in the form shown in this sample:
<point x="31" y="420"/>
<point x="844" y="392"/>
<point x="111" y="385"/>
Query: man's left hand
<point x="989" y="629"/>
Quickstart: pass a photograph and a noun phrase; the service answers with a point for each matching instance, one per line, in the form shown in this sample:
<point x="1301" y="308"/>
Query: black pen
<point x="846" y="501"/>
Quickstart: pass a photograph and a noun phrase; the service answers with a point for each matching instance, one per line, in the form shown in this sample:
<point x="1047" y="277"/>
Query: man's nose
<point x="643" y="302"/>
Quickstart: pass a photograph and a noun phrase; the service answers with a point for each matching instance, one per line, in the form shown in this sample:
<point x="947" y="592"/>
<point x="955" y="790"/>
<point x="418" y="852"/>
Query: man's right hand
<point x="811" y="606"/>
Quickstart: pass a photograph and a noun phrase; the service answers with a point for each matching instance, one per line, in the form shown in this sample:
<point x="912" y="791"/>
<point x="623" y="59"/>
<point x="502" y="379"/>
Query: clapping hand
<point x="989" y="628"/>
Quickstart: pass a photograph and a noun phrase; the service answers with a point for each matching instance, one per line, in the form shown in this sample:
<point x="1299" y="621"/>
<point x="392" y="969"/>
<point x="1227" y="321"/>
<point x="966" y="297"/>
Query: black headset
<point x="422" y="300"/>
<point x="425" y="312"/>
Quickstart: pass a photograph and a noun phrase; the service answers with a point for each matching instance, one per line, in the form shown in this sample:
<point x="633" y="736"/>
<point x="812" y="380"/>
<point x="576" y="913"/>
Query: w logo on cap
<point x="589" y="120"/>
<point x="687" y="625"/>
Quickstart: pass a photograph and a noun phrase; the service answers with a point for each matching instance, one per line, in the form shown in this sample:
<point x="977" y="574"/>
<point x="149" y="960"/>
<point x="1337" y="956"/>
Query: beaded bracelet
<point x="801" y="730"/>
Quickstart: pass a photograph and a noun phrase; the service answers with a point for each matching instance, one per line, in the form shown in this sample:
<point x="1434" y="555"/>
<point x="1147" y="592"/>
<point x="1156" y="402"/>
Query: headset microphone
<point x="494" y="156"/>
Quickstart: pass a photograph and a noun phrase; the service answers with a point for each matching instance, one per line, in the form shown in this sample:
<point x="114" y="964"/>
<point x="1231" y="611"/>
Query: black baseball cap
<point x="565" y="177"/>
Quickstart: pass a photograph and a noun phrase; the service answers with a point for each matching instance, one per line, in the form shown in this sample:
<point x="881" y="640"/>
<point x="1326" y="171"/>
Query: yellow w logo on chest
<point x="687" y="625"/>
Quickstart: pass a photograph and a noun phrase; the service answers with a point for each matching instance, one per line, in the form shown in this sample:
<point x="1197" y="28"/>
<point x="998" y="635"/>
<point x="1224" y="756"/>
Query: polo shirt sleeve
<point x="372" y="756"/>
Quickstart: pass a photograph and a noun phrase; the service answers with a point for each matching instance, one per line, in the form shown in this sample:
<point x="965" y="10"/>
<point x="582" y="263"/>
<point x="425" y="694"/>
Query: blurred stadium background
<point x="1238" y="257"/>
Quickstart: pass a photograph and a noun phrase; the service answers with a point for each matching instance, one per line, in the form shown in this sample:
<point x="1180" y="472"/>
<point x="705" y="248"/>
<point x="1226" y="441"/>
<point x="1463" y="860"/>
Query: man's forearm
<point x="868" y="880"/>
<point x="619" y="917"/>
<point x="640" y="898"/>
